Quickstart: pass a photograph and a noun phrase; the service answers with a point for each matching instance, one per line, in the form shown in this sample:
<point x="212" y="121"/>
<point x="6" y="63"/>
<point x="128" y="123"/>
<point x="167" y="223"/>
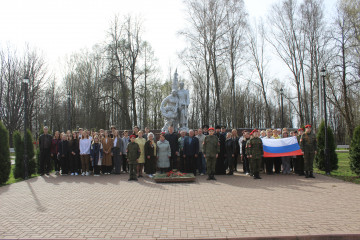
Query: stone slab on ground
<point x="278" y="206"/>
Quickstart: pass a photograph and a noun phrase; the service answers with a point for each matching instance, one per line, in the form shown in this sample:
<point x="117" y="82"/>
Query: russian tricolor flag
<point x="282" y="147"/>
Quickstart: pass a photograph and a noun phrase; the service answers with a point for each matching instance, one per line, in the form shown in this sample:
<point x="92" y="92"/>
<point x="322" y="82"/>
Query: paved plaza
<point x="233" y="207"/>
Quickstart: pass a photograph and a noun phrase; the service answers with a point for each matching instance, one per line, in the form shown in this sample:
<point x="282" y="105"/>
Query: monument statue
<point x="174" y="107"/>
<point x="169" y="110"/>
<point x="184" y="102"/>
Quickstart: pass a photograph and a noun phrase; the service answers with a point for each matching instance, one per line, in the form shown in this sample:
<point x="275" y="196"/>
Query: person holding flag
<point x="308" y="145"/>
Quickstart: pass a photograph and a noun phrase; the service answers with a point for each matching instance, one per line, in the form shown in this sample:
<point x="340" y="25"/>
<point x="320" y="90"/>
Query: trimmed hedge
<point x="355" y="151"/>
<point x="5" y="162"/>
<point x="19" y="154"/>
<point x="320" y="156"/>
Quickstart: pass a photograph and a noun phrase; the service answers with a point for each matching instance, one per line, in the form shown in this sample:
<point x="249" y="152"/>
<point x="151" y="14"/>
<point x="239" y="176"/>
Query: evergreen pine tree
<point x="320" y="156"/>
<point x="19" y="154"/>
<point x="355" y="151"/>
<point x="5" y="162"/>
<point x="30" y="153"/>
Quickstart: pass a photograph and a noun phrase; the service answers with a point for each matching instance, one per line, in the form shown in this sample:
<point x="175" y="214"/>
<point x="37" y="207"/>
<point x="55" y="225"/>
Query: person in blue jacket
<point x="191" y="151"/>
<point x="96" y="155"/>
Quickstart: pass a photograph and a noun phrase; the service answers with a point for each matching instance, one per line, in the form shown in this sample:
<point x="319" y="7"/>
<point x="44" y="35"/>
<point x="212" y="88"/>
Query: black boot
<point x="311" y="175"/>
<point x="306" y="174"/>
<point x="213" y="177"/>
<point x="209" y="177"/>
<point x="257" y="176"/>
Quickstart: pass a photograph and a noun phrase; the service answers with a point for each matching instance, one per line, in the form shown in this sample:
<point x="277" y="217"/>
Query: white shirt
<point x="240" y="140"/>
<point x="85" y="145"/>
<point x="115" y="142"/>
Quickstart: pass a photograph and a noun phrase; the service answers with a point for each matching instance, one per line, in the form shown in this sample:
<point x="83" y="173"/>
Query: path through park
<point x="233" y="207"/>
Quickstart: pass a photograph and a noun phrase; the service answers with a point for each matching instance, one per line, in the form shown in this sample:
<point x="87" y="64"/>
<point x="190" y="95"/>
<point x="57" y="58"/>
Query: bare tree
<point x="257" y="49"/>
<point x="235" y="42"/>
<point x="343" y="77"/>
<point x="287" y="40"/>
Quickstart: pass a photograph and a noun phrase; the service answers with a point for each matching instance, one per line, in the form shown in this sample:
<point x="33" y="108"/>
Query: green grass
<point x="343" y="172"/>
<point x="15" y="180"/>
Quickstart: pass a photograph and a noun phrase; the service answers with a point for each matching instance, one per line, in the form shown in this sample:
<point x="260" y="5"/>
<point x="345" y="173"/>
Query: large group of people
<point x="207" y="150"/>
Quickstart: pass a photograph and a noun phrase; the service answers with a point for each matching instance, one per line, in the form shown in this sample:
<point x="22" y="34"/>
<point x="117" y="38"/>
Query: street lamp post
<point x="25" y="82"/>
<point x="326" y="152"/>
<point x="69" y="110"/>
<point x="282" y="107"/>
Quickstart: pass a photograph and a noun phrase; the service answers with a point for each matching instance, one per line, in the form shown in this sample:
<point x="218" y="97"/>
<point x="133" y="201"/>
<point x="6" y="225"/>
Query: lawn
<point x="343" y="172"/>
<point x="11" y="178"/>
<point x="15" y="180"/>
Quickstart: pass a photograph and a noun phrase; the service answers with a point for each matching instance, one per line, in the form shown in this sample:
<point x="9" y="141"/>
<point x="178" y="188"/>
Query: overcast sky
<point x="59" y="28"/>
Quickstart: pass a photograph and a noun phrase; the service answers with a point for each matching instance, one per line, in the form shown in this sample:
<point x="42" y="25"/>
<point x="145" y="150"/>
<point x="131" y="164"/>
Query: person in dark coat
<point x="230" y="151"/>
<point x="205" y="129"/>
<point x="96" y="155"/>
<point x="172" y="138"/>
<point x="150" y="155"/>
<point x="220" y="161"/>
<point x="63" y="154"/>
<point x="45" y="151"/>
<point x="190" y="152"/>
<point x="54" y="150"/>
<point x="74" y="161"/>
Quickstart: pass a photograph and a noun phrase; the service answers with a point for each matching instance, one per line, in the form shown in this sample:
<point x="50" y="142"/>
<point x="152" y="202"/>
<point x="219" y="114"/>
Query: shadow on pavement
<point x="40" y="207"/>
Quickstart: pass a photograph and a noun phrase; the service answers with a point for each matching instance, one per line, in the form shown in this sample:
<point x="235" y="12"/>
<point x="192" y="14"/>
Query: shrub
<point x="355" y="151"/>
<point x="5" y="162"/>
<point x="320" y="156"/>
<point x="19" y="154"/>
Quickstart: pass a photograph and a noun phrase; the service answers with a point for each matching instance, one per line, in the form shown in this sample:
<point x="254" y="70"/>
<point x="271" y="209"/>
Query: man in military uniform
<point x="211" y="150"/>
<point x="133" y="154"/>
<point x="299" y="161"/>
<point x="255" y="153"/>
<point x="308" y="146"/>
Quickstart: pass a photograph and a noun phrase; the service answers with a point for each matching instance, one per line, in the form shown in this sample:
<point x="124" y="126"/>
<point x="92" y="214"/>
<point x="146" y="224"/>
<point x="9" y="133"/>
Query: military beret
<point x="300" y="129"/>
<point x="308" y="126"/>
<point x="217" y="127"/>
<point x="132" y="136"/>
<point x="211" y="129"/>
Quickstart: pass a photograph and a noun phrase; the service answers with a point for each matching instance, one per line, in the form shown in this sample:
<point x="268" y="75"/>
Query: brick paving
<point x="232" y="207"/>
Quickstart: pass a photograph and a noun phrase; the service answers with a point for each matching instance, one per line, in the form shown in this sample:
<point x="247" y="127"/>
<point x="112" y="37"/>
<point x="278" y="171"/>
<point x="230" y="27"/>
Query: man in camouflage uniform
<point x="255" y="152"/>
<point x="299" y="161"/>
<point x="211" y="149"/>
<point x="308" y="146"/>
<point x="133" y="154"/>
